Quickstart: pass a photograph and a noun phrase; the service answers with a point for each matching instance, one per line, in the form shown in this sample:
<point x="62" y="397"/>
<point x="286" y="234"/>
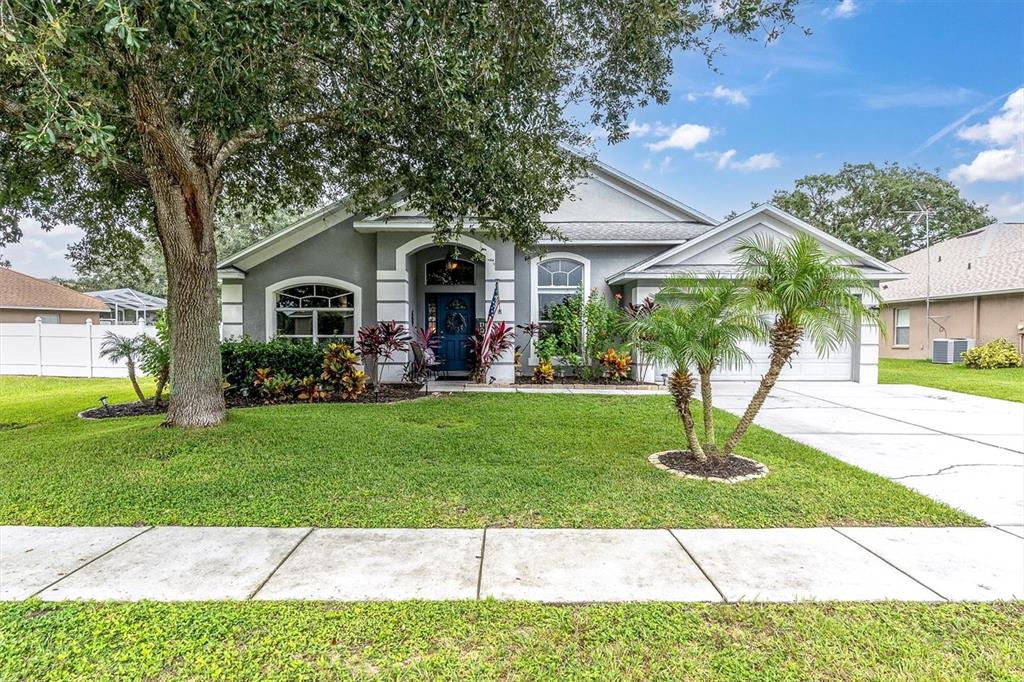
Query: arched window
<point x="316" y="312"/>
<point x="557" y="280"/>
<point x="451" y="271"/>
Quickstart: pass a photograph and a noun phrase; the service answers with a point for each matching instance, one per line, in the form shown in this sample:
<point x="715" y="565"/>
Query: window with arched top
<point x="557" y="280"/>
<point x="451" y="272"/>
<point x="316" y="312"/>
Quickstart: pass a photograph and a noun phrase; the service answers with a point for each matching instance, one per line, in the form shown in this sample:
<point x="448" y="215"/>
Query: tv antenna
<point x="925" y="213"/>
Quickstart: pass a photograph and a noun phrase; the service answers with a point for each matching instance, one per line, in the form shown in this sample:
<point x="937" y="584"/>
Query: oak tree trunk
<point x="184" y="186"/>
<point x="197" y="395"/>
<point x="784" y="339"/>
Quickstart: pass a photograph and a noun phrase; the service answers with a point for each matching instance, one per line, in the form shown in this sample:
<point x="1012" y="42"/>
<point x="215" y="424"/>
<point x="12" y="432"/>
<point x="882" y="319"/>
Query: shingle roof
<point x="21" y="291"/>
<point x="983" y="261"/>
<point x="673" y="230"/>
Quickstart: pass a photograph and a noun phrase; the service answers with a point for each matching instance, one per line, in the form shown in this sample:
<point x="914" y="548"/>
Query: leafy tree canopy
<point x="867" y="206"/>
<point x="459" y="104"/>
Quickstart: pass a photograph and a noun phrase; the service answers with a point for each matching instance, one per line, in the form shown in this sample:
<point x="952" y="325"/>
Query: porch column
<point x="393" y="293"/>
<point x="504" y="370"/>
<point x="866" y="355"/>
<point x="651" y="373"/>
<point x="231" y="307"/>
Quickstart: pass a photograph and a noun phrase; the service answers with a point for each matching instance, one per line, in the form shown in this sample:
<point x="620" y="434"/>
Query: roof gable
<point x="712" y="251"/>
<point x="605" y="196"/>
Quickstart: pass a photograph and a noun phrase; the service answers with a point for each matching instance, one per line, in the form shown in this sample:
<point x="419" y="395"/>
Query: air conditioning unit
<point x="948" y="351"/>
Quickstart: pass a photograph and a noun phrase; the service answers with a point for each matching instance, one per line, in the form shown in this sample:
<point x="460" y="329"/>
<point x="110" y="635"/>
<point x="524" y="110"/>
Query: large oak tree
<point x="870" y="207"/>
<point x="116" y="114"/>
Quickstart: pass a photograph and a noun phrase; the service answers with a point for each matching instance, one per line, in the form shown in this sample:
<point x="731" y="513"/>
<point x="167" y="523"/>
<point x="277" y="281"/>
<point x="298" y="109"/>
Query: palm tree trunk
<point x="130" y="365"/>
<point x="161" y="381"/>
<point x="707" y="409"/>
<point x="681" y="388"/>
<point x="784" y="339"/>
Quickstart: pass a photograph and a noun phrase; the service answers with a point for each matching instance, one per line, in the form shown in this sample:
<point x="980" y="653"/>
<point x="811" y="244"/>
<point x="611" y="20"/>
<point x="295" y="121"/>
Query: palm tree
<point x="117" y="348"/>
<point x="672" y="332"/>
<point x="725" y="322"/>
<point x="810" y="293"/>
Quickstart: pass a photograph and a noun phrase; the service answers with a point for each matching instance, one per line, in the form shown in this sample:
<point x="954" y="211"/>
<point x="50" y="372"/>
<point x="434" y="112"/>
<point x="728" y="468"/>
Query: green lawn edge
<point x="1004" y="384"/>
<point x="510" y="641"/>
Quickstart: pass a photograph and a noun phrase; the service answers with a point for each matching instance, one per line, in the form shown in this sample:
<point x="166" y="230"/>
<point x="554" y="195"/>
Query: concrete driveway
<point x="964" y="450"/>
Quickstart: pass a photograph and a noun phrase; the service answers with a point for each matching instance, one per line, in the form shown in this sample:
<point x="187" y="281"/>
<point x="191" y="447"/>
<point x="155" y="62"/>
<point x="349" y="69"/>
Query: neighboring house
<point x="332" y="272"/>
<point x="977" y="291"/>
<point x="24" y="298"/>
<point x="128" y="306"/>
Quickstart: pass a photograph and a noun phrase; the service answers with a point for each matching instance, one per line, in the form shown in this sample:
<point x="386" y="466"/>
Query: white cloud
<point x="991" y="165"/>
<point x="686" y="136"/>
<point x="1004" y="132"/>
<point x="665" y="165"/>
<point x="729" y="95"/>
<point x="844" y="10"/>
<point x="1003" y="128"/>
<point x="727" y="161"/>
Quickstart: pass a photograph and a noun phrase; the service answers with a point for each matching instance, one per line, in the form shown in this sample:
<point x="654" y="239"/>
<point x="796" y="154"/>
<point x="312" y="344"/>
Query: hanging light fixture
<point x="451" y="263"/>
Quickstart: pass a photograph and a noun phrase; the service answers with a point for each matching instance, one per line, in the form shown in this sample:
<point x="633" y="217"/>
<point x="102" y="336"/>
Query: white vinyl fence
<point x="61" y="350"/>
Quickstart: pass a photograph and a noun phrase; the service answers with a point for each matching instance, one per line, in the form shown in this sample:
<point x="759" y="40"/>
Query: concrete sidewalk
<point x="547" y="565"/>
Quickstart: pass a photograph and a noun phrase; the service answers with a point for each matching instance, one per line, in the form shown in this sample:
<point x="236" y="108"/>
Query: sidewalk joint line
<point x="280" y="564"/>
<point x="869" y="551"/>
<point x="1011" y="534"/>
<point x="903" y="421"/>
<point x="480" y="569"/>
<point x="697" y="564"/>
<point x="98" y="556"/>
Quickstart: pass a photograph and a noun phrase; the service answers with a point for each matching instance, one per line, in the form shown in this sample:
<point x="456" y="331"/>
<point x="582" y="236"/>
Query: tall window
<point x="901" y="325"/>
<point x="557" y="280"/>
<point x="316" y="312"/>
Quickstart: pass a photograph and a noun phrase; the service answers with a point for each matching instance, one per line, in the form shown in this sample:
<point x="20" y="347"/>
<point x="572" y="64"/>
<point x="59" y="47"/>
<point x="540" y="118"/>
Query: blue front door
<point x="456" y="315"/>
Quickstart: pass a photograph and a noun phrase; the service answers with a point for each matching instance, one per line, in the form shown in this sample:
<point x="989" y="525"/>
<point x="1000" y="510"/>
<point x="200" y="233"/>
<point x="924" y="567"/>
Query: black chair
<point x="420" y="360"/>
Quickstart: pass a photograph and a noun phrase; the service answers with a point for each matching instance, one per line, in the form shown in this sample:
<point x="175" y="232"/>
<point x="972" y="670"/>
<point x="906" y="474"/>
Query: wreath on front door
<point x="455" y="323"/>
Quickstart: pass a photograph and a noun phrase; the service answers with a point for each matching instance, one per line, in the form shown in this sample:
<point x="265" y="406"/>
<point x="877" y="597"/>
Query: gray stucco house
<point x="332" y="272"/>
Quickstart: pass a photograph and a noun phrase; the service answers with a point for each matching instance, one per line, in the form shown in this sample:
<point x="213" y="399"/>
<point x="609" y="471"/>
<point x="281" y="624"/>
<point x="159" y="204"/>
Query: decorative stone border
<point x="762" y="471"/>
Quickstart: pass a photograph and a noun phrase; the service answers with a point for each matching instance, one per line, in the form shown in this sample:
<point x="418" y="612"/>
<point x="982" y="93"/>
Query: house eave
<point x="631" y="275"/>
<point x="951" y="297"/>
<point x="66" y="310"/>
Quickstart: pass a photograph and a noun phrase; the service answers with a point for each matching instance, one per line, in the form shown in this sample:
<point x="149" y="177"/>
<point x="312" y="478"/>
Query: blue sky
<point x="923" y="82"/>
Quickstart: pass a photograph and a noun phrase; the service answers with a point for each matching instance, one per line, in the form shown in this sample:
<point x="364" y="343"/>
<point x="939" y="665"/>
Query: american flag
<point x="491" y="312"/>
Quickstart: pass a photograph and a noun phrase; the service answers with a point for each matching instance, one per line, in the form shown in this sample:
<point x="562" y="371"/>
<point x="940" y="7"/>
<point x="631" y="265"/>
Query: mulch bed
<point x="731" y="468"/>
<point x="389" y="393"/>
<point x="576" y="381"/>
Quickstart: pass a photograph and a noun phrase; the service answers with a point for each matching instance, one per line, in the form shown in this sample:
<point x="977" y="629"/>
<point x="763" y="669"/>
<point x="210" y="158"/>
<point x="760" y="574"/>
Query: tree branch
<point x="236" y="143"/>
<point x="127" y="170"/>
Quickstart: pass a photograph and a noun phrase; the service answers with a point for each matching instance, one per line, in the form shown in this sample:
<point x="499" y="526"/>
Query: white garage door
<point x="806" y="365"/>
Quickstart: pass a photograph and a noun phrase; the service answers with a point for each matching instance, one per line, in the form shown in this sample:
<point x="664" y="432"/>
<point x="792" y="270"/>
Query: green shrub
<point x="240" y="358"/>
<point x="993" y="355"/>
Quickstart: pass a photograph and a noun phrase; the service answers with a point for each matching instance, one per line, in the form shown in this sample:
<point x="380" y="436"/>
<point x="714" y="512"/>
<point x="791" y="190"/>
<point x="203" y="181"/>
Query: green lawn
<point x="463" y="461"/>
<point x="511" y="641"/>
<point x="1007" y="384"/>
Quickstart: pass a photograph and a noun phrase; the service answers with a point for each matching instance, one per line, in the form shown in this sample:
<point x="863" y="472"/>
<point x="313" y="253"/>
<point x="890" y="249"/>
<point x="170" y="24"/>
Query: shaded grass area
<point x="1005" y="384"/>
<point x="465" y="460"/>
<point x="492" y="640"/>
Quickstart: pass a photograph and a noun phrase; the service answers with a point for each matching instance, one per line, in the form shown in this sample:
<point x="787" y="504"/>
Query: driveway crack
<point x="956" y="466"/>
